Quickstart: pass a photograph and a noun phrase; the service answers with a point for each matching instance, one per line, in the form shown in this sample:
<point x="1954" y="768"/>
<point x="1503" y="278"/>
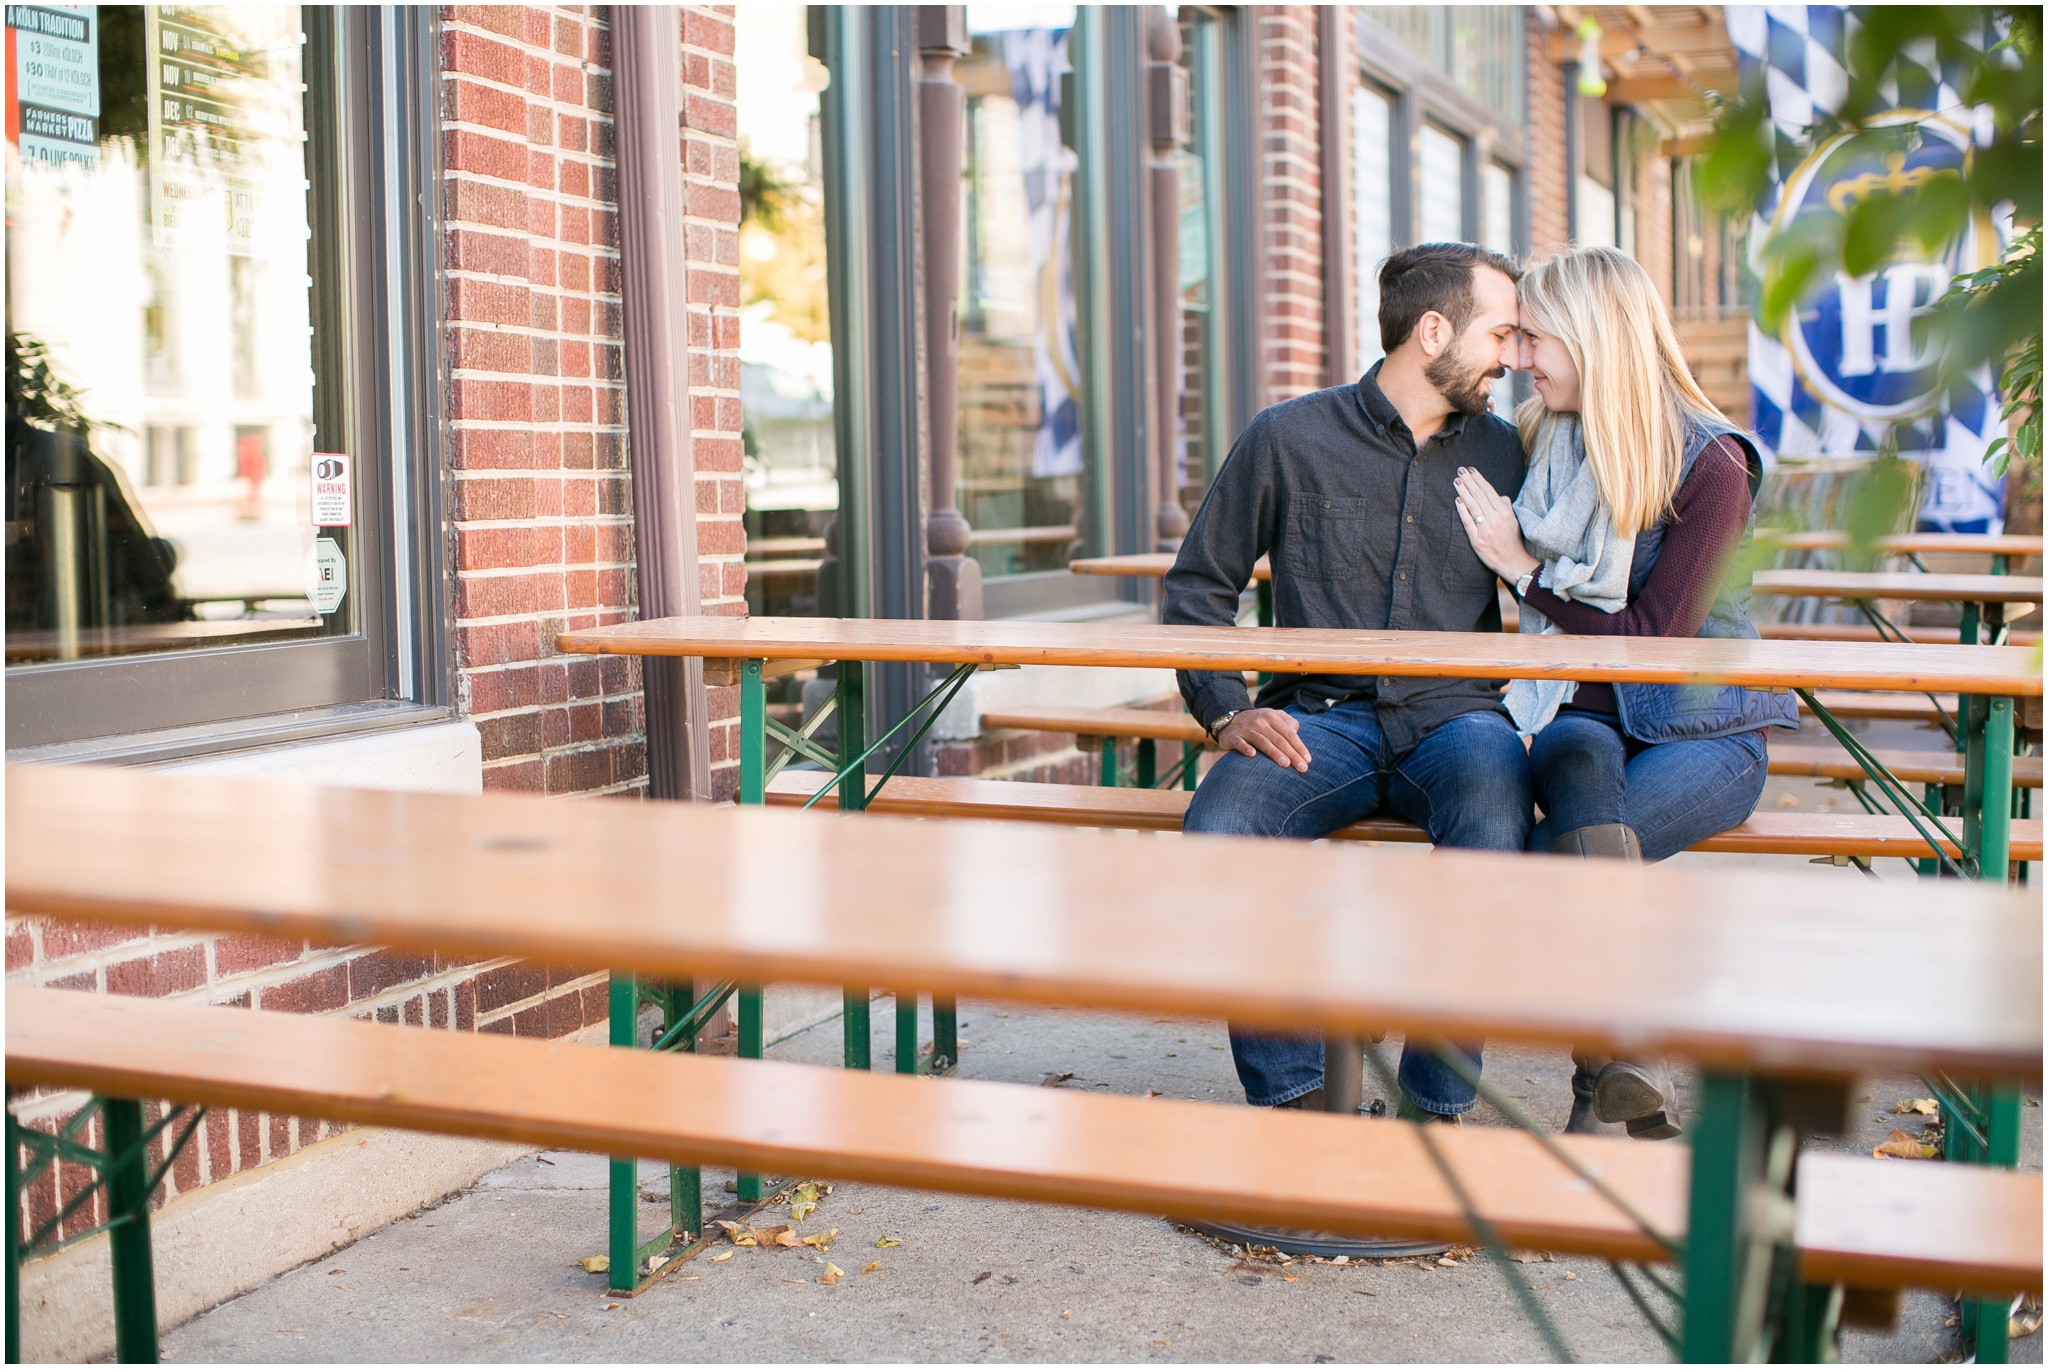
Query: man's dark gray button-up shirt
<point x="1363" y="533"/>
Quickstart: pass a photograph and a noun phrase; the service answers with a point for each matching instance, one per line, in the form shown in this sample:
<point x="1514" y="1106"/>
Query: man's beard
<point x="1468" y="389"/>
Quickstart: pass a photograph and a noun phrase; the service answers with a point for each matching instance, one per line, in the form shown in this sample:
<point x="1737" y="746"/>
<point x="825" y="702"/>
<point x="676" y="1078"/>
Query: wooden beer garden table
<point x="1782" y="990"/>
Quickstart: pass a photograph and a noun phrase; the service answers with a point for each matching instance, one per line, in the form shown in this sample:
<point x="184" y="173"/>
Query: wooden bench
<point x="1907" y="586"/>
<point x="1859" y="1222"/>
<point x="1860" y="835"/>
<point x="1822" y="760"/>
<point x="1738" y="972"/>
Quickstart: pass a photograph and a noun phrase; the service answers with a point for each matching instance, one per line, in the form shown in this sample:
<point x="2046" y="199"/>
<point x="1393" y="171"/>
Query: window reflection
<point x="790" y="461"/>
<point x="160" y="400"/>
<point x="1020" y="405"/>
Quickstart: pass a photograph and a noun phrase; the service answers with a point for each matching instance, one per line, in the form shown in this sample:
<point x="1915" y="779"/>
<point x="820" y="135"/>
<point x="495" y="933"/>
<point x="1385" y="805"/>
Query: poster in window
<point x="53" y="83"/>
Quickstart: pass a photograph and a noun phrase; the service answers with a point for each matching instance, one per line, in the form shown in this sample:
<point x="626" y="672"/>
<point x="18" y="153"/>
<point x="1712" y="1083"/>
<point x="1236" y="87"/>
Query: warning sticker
<point x="333" y="502"/>
<point x="330" y="576"/>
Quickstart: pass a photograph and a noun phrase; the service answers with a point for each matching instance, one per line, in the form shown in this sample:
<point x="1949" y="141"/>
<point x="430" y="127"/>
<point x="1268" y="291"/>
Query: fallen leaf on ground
<point x="656" y="1262"/>
<point x="551" y="1312"/>
<point x="871" y="1266"/>
<point x="1447" y="1260"/>
<point x="886" y="1242"/>
<point x="783" y="1235"/>
<point x="833" y="1273"/>
<point x="821" y="1240"/>
<point x="738" y="1234"/>
<point x="723" y="1255"/>
<point x="1290" y="1278"/>
<point x="984" y="1276"/>
<point x="1067" y="1315"/>
<point x="595" y="1264"/>
<point x="1926" y="1107"/>
<point x="1157" y="1341"/>
<point x="1531" y="1257"/>
<point x="1569" y="1276"/>
<point x="1905" y="1146"/>
<point x="611" y="1307"/>
<point x="1053" y="1081"/>
<point x="803" y="1202"/>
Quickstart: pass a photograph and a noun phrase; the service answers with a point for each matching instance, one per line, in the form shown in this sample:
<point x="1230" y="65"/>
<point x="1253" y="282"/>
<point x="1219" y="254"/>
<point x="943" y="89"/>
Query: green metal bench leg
<point x="945" y="1034"/>
<point x="1190" y="765"/>
<point x="623" y="1243"/>
<point x="1265" y="598"/>
<point x="1723" y="1313"/>
<point x="14" y="1235"/>
<point x="1109" y="775"/>
<point x="685" y="1182"/>
<point x="859" y="1044"/>
<point x="906" y="1033"/>
<point x="128" y="1197"/>
<point x="749" y="1187"/>
<point x="1148" y="762"/>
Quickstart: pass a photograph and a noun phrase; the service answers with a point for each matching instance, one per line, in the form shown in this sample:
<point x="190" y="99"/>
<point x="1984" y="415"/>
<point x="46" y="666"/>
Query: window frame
<point x="386" y="309"/>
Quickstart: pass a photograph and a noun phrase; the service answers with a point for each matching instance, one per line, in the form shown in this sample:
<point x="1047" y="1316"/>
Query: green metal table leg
<point x="1265" y="597"/>
<point x="749" y="1187"/>
<point x="1973" y="716"/>
<point x="1190" y="765"/>
<point x="13" y="1242"/>
<point x="1990" y="1318"/>
<point x="623" y="1244"/>
<point x="754" y="734"/>
<point x="906" y="1033"/>
<point x="1109" y="776"/>
<point x="1994" y="798"/>
<point x="128" y="1203"/>
<point x="852" y="713"/>
<point x="945" y="1034"/>
<point x="1148" y="762"/>
<point x="1721" y="1322"/>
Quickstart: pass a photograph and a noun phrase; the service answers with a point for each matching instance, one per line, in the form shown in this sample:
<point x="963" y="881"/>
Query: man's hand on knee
<point x="1267" y="732"/>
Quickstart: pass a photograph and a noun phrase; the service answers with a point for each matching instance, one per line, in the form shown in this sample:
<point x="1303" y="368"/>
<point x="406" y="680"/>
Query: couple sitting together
<point x="1396" y="503"/>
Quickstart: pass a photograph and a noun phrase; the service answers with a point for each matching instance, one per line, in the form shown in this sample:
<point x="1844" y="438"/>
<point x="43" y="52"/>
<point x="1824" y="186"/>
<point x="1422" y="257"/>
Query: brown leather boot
<point x="1604" y="840"/>
<point x="1585" y="1081"/>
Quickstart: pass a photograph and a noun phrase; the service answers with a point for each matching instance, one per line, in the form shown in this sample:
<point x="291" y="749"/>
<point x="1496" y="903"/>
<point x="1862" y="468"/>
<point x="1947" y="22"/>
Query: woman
<point x="1638" y="497"/>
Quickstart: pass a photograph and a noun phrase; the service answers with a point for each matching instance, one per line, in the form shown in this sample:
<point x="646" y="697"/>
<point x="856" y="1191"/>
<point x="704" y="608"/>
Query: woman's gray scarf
<point x="1585" y="560"/>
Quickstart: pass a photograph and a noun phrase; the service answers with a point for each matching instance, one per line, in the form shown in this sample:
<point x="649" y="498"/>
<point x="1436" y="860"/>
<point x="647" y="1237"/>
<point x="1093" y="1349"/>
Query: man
<point x="1349" y="490"/>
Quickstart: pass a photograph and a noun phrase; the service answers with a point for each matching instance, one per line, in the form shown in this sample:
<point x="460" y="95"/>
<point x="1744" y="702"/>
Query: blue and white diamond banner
<point x="1849" y="365"/>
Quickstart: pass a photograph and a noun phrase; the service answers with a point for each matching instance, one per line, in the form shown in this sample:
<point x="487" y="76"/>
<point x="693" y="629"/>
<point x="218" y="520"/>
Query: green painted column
<point x="128" y="1242"/>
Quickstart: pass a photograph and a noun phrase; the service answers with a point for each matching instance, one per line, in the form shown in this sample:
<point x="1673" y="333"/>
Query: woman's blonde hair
<point x="1635" y="392"/>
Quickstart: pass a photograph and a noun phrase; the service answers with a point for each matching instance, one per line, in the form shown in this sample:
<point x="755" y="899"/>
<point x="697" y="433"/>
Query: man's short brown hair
<point x="1433" y="277"/>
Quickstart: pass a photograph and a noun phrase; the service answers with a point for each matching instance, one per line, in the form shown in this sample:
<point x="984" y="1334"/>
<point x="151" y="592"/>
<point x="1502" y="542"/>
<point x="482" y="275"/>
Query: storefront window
<point x="1442" y="191"/>
<point x="1020" y="419"/>
<point x="179" y="467"/>
<point x="1372" y="196"/>
<point x="1202" y="441"/>
<point x="791" y="464"/>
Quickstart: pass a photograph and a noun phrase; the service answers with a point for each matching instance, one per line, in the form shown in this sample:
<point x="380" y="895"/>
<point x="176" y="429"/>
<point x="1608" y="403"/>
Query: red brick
<point x="63" y="938"/>
<point x="21" y="947"/>
<point x="238" y="953"/>
<point x="154" y="976"/>
<point x="320" y="991"/>
<point x="376" y="971"/>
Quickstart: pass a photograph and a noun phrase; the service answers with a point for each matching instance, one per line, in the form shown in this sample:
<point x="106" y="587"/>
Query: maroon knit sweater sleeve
<point x="1708" y="512"/>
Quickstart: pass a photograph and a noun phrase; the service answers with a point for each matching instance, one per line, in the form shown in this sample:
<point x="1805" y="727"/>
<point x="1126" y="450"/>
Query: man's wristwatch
<point x="1216" y="728"/>
<point x="1522" y="585"/>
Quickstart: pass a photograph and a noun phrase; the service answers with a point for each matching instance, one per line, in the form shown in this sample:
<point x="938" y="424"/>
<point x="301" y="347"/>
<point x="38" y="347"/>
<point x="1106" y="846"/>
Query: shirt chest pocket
<point x="1325" y="537"/>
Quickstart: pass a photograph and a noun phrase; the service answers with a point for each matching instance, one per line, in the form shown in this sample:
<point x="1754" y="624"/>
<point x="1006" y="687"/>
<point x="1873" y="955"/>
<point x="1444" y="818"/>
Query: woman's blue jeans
<point x="1588" y="772"/>
<point x="1466" y="784"/>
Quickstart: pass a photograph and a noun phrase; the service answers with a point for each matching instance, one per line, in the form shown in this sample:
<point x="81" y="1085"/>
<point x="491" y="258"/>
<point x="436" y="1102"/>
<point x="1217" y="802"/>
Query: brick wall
<point x="1548" y="190"/>
<point x="542" y="528"/>
<point x="1290" y="171"/>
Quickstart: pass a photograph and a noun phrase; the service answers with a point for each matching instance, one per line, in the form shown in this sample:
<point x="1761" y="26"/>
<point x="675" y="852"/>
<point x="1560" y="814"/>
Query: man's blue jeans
<point x="1466" y="784"/>
<point x="1586" y="772"/>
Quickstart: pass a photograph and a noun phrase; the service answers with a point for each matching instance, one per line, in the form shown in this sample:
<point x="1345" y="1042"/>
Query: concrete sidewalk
<point x="492" y="1273"/>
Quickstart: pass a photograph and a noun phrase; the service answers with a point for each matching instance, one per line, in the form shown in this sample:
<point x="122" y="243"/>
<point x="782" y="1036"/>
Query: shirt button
<point x="1386" y="681"/>
<point x="1326" y="503"/>
<point x="1409" y="519"/>
<point x="1404" y="575"/>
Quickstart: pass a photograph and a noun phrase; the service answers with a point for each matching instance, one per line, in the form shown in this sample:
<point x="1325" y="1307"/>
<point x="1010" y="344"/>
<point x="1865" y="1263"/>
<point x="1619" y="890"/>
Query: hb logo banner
<point x="1853" y="362"/>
